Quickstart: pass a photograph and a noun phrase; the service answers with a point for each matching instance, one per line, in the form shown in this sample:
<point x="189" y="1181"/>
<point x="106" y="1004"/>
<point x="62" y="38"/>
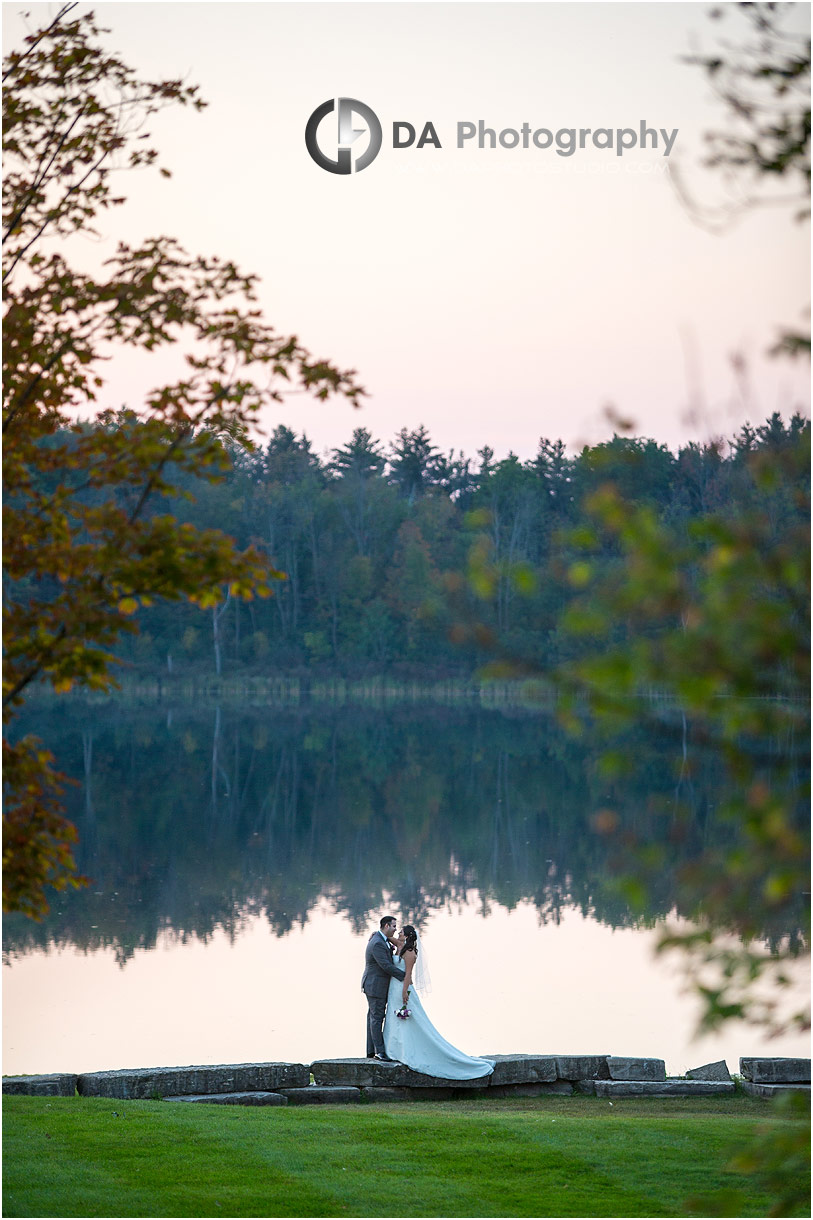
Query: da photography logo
<point x="343" y="162"/>
<point x="331" y="147"/>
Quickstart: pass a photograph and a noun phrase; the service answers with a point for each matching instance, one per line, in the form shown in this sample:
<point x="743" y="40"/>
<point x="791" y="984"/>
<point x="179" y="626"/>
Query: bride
<point x="412" y="1039"/>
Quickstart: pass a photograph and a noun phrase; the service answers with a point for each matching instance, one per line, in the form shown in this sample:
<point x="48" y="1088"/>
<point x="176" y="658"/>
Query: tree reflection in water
<point x="196" y="817"/>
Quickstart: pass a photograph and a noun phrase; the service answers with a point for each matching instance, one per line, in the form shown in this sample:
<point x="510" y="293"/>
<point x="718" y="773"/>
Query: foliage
<point x="546" y="1156"/>
<point x="711" y="612"/>
<point x="416" y="465"/>
<point x="82" y="547"/>
<point x="37" y="840"/>
<point x="777" y="1156"/>
<point x="764" y="84"/>
<point x="763" y="153"/>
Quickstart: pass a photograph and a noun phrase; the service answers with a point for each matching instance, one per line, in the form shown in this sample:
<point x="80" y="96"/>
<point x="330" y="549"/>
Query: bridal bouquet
<point x="403" y="1012"/>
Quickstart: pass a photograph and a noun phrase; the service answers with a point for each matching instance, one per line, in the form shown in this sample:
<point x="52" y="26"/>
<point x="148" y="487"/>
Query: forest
<point x="380" y="546"/>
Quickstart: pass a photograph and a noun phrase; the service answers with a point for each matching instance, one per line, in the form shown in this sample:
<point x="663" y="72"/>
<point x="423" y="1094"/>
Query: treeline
<point x="374" y="543"/>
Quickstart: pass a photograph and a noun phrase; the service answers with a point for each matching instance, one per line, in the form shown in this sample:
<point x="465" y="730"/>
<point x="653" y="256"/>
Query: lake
<point x="242" y="854"/>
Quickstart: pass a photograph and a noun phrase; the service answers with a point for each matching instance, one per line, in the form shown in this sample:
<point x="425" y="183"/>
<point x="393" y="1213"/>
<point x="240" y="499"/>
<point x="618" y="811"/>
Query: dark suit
<point x="379" y="968"/>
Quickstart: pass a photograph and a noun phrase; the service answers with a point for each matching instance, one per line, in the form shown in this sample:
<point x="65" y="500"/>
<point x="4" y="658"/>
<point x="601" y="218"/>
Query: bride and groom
<point x="398" y="1029"/>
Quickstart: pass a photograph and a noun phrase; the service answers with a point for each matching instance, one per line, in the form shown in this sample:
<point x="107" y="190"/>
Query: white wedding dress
<point x="416" y="1043"/>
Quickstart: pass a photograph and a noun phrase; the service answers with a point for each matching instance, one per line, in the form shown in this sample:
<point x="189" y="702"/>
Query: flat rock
<point x="395" y="1093"/>
<point x="776" y="1071"/>
<point x="319" y="1095"/>
<point x="521" y="1069"/>
<point x="560" y="1088"/>
<point x="368" y="1073"/>
<point x="59" y="1085"/>
<point x="710" y="1071"/>
<point x="585" y="1086"/>
<point x="754" y="1089"/>
<point x="582" y="1067"/>
<point x="388" y="1094"/>
<point x="663" y="1088"/>
<point x="622" y="1068"/>
<point x="144" y="1083"/>
<point x="234" y="1099"/>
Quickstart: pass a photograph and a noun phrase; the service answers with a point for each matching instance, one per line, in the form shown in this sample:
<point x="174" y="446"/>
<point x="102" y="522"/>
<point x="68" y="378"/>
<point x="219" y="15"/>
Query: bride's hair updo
<point x="411" y="941"/>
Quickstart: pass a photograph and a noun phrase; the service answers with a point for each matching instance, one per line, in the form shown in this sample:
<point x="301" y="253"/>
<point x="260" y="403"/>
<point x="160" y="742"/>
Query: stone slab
<point x="710" y="1071"/>
<point x="383" y="1093"/>
<point x="141" y="1084"/>
<point x="776" y="1071"/>
<point x="664" y="1088"/>
<point x="559" y="1088"/>
<point x="368" y="1073"/>
<point x="318" y="1095"/>
<point x="582" y="1067"/>
<point x="585" y="1086"/>
<point x="754" y="1089"/>
<point x="623" y="1068"/>
<point x="521" y="1069"/>
<point x="234" y="1099"/>
<point x="59" y="1085"/>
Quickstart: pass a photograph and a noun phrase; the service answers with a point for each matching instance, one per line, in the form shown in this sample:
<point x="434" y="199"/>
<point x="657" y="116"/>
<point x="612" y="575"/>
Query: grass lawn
<point x="547" y="1156"/>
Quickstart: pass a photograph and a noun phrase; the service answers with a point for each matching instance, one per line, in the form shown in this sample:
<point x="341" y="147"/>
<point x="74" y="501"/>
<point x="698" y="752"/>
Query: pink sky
<point x="498" y="295"/>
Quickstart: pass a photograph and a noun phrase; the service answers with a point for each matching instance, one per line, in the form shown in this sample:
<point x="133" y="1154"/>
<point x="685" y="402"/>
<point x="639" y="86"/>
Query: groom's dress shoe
<point x="385" y="1058"/>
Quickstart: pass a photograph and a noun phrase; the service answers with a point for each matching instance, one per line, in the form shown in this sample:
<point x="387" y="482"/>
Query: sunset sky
<point x="494" y="295"/>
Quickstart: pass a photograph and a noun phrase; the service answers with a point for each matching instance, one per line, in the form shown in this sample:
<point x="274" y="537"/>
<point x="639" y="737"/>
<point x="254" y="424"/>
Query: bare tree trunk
<point x="218" y="772"/>
<point x="87" y="751"/>
<point x="215" y="747"/>
<point x="217" y="615"/>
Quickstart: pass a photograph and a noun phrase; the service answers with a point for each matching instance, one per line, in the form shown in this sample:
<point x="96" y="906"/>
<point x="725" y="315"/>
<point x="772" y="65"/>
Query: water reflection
<point x="197" y="818"/>
<point x="501" y="984"/>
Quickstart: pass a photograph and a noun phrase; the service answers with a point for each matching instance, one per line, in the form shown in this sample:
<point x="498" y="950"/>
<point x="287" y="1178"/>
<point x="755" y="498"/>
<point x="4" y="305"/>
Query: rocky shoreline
<point x="342" y="1081"/>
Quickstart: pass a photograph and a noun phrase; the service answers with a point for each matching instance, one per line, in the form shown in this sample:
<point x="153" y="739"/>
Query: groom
<point x="379" y="968"/>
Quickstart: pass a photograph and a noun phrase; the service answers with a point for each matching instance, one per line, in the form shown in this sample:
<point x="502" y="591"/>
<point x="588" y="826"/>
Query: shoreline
<point x="342" y="1081"/>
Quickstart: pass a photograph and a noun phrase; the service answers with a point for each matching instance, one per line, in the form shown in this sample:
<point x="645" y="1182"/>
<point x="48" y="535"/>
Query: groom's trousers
<point x="375" y="1020"/>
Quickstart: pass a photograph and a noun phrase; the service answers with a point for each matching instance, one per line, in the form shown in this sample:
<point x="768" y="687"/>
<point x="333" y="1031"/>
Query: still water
<point x="241" y="856"/>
